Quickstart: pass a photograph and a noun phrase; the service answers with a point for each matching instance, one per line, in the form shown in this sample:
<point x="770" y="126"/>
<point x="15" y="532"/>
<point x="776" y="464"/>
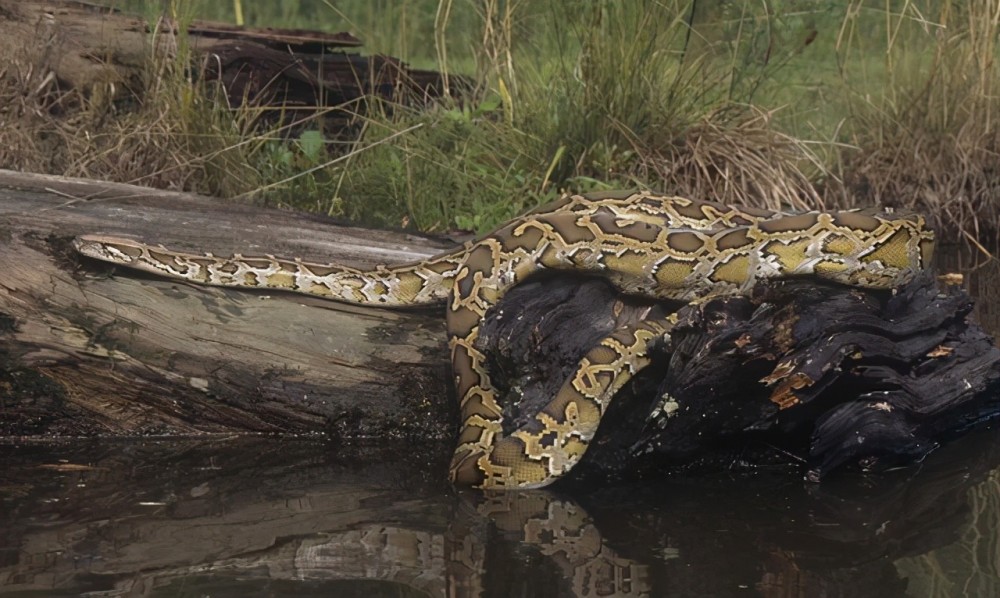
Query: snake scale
<point x="645" y="244"/>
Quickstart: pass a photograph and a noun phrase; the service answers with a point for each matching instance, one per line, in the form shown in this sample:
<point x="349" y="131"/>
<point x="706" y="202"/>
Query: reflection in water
<point x="268" y="518"/>
<point x="274" y="518"/>
<point x="970" y="566"/>
<point x="981" y="277"/>
<point x="560" y="533"/>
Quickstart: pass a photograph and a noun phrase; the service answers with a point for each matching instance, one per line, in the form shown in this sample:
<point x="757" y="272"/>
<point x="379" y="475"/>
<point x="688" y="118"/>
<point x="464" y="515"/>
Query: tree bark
<point x="100" y="51"/>
<point x="85" y="351"/>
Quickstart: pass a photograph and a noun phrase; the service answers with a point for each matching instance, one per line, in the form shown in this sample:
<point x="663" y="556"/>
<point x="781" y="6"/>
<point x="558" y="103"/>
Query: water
<point x="303" y="518"/>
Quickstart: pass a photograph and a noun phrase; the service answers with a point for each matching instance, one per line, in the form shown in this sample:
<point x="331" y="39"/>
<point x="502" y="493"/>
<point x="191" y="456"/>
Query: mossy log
<point x="799" y="372"/>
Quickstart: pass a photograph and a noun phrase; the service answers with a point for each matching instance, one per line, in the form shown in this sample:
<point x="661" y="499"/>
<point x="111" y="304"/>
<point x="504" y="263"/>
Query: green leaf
<point x="312" y="143"/>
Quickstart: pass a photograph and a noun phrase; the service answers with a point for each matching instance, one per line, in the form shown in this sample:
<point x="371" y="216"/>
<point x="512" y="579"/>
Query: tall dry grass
<point x="580" y="97"/>
<point x="893" y="102"/>
<point x="931" y="139"/>
<point x="162" y="129"/>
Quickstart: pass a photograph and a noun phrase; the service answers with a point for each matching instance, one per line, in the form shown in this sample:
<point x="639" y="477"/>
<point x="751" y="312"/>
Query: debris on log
<point x="296" y="73"/>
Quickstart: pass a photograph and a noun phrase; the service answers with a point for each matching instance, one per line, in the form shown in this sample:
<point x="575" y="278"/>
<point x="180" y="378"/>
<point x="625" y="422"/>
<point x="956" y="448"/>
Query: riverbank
<point x="894" y="104"/>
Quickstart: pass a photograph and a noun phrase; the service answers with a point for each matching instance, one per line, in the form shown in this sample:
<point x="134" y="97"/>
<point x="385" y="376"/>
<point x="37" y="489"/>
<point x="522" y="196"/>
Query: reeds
<point x="161" y="129"/>
<point x="890" y="102"/>
<point x="931" y="140"/>
<point x="583" y="96"/>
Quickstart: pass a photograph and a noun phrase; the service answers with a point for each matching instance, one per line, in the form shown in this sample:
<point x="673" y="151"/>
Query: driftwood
<point x="97" y="49"/>
<point x="84" y="350"/>
<point x="800" y="372"/>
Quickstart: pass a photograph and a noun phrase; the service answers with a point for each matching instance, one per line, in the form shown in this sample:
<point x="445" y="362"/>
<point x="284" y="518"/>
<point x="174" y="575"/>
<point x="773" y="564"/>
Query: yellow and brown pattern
<point x="645" y="244"/>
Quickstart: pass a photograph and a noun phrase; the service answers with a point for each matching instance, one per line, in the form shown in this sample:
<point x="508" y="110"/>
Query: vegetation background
<point x="781" y="103"/>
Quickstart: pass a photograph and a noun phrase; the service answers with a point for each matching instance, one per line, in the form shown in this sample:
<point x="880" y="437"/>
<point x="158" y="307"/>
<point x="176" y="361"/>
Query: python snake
<point x="645" y="244"/>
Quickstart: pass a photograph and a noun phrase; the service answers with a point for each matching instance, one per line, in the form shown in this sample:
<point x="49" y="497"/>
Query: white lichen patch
<point x="199" y="383"/>
<point x="668" y="406"/>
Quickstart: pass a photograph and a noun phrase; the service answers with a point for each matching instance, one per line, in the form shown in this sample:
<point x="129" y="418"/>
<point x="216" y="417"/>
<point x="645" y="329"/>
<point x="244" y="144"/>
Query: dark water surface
<point x="303" y="518"/>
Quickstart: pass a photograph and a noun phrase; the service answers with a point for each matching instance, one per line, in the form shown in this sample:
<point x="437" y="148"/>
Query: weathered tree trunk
<point x="99" y="50"/>
<point x="84" y="351"/>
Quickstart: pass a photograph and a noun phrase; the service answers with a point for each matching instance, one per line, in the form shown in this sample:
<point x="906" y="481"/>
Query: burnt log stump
<point x="802" y="374"/>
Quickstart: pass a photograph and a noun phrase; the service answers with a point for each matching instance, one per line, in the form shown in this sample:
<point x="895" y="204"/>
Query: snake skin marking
<point x="657" y="246"/>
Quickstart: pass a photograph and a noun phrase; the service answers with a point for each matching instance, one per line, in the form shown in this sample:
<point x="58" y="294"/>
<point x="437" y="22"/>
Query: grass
<point x="163" y="130"/>
<point x="780" y="103"/>
<point x="932" y="141"/>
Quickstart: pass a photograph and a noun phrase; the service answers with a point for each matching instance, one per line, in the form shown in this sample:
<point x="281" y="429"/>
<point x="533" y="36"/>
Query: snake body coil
<point x="645" y="244"/>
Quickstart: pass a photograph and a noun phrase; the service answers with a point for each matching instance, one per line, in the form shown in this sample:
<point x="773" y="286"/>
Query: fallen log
<point x="800" y="372"/>
<point x="291" y="73"/>
<point x="84" y="351"/>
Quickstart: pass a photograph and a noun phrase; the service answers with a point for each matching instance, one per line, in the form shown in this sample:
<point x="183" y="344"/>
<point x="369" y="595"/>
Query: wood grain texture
<point x="125" y="353"/>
